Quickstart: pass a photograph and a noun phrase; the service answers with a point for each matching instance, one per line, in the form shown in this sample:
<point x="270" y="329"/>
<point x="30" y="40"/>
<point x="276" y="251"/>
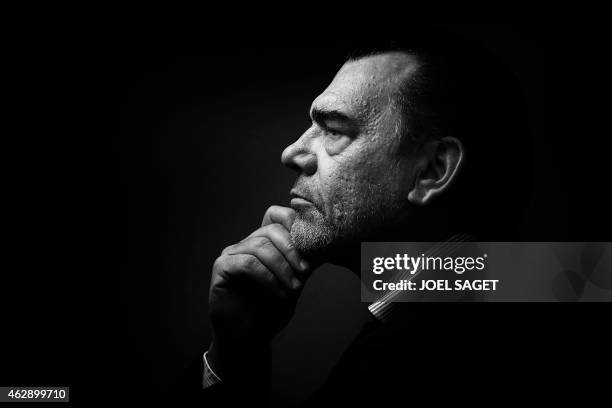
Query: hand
<point x="255" y="284"/>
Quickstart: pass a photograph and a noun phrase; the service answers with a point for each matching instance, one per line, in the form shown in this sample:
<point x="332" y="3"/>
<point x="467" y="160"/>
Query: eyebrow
<point x="321" y="116"/>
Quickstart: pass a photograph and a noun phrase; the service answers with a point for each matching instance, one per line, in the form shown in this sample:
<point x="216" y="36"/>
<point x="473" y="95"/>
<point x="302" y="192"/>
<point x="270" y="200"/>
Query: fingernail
<point x="304" y="265"/>
<point x="295" y="283"/>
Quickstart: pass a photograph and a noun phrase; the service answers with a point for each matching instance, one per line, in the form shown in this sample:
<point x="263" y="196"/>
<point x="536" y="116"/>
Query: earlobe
<point x="442" y="161"/>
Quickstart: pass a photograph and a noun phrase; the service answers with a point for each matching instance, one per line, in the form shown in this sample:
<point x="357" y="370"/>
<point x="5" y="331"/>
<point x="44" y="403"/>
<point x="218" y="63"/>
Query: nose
<point x="299" y="157"/>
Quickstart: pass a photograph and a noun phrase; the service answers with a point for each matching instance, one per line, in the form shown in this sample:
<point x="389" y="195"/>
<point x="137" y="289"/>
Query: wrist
<point x="236" y="359"/>
<point x="210" y="377"/>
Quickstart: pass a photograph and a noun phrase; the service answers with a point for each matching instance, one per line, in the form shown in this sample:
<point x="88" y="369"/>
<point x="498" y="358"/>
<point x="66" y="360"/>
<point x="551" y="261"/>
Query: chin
<point x="314" y="237"/>
<point x="311" y="237"/>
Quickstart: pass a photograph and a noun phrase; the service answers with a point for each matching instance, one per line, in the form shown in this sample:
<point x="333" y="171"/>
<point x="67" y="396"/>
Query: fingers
<point x="266" y="252"/>
<point x="281" y="238"/>
<point x="250" y="267"/>
<point x="272" y="247"/>
<point x="279" y="215"/>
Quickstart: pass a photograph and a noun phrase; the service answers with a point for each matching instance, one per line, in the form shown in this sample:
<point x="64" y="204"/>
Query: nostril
<point x="293" y="166"/>
<point x="309" y="164"/>
<point x="299" y="158"/>
<point x="288" y="159"/>
<point x="304" y="163"/>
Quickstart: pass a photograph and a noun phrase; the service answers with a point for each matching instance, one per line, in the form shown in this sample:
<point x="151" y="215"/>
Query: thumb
<point x="279" y="215"/>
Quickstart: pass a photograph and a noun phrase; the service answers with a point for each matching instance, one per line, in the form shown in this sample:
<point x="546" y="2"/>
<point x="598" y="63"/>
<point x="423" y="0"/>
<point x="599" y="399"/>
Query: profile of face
<point x="358" y="174"/>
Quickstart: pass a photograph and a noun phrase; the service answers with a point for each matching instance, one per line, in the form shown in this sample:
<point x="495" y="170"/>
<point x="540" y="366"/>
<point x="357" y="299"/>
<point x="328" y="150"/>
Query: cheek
<point x="347" y="178"/>
<point x="350" y="169"/>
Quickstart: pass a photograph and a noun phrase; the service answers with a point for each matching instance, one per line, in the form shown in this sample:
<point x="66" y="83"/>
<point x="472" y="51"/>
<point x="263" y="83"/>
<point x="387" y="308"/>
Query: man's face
<point x="353" y="180"/>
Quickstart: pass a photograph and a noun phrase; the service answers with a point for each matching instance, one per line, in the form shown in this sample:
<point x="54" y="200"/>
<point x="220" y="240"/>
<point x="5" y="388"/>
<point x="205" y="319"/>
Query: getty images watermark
<point x="486" y="271"/>
<point x="411" y="265"/>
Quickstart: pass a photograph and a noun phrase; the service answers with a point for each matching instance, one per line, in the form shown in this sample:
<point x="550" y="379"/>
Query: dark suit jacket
<point x="492" y="353"/>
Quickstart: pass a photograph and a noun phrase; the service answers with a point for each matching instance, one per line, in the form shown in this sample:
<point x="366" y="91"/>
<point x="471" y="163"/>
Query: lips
<point x="295" y="194"/>
<point x="299" y="200"/>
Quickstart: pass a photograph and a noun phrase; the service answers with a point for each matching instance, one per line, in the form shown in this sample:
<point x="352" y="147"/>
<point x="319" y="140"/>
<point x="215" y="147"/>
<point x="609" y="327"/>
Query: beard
<point x="322" y="235"/>
<point x="311" y="233"/>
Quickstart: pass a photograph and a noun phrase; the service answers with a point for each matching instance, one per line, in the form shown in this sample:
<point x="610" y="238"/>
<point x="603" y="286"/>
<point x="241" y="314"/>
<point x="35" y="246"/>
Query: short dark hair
<point x="462" y="89"/>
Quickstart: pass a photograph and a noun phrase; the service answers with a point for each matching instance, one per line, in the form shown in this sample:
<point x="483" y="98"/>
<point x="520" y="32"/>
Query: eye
<point x="333" y="132"/>
<point x="335" y="141"/>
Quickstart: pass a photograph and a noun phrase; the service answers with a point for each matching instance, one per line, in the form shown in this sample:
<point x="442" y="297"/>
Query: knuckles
<point x="219" y="263"/>
<point x="260" y="242"/>
<point x="228" y="263"/>
<point x="247" y="262"/>
<point x="227" y="249"/>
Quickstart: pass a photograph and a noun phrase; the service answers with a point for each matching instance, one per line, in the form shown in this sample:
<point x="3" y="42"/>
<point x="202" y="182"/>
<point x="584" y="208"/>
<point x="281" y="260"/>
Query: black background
<point x="167" y="148"/>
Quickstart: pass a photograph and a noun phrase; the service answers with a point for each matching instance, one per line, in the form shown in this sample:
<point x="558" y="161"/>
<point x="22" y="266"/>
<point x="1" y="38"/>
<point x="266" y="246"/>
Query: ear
<point x="438" y="165"/>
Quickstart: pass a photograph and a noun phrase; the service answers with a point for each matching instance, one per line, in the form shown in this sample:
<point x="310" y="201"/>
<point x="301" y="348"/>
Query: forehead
<point x="367" y="84"/>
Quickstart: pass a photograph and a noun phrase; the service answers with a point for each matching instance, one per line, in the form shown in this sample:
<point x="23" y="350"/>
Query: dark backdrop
<point x="190" y="168"/>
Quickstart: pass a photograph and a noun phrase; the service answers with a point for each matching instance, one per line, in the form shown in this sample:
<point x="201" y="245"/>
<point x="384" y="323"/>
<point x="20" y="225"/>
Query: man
<point x="399" y="149"/>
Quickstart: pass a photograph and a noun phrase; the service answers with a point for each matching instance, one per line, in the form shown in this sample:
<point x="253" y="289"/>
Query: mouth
<point x="298" y="200"/>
